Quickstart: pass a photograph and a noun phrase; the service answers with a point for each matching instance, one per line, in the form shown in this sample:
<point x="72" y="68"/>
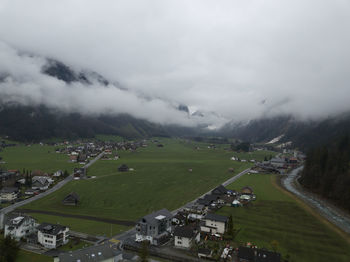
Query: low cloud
<point x="223" y="57"/>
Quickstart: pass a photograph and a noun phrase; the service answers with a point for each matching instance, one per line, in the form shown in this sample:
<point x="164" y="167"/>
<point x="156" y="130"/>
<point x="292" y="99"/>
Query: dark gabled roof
<point x="246" y="253"/>
<point x="216" y="217"/>
<point x="267" y="256"/>
<point x="184" y="231"/>
<point x="52" y="229"/>
<point x="90" y="254"/>
<point x="220" y="190"/>
<point x="151" y="218"/>
<point x="71" y="197"/>
<point x="207" y="199"/>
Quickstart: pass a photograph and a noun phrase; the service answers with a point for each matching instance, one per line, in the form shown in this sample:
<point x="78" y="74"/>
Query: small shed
<point x="123" y="168"/>
<point x="71" y="200"/>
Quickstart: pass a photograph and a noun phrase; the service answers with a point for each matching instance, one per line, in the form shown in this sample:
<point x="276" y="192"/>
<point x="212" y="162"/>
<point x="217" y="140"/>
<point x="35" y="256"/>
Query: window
<point x="179" y="242"/>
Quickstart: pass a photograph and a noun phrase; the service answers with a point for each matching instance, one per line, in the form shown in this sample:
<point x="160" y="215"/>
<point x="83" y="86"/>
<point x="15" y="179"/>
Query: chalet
<point x="185" y="236"/>
<point x="247" y="254"/>
<point x="99" y="253"/>
<point x="19" y="226"/>
<point x="41" y="182"/>
<point x="123" y="168"/>
<point x="8" y="194"/>
<point x="155" y="227"/>
<point x="73" y="158"/>
<point x="71" y="200"/>
<point x="220" y="190"/>
<point x="213" y="223"/>
<point x="79" y="172"/>
<point x="278" y="162"/>
<point x="52" y="236"/>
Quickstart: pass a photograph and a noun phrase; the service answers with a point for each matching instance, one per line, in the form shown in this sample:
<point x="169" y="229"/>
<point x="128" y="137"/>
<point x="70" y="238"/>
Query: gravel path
<point x="327" y="210"/>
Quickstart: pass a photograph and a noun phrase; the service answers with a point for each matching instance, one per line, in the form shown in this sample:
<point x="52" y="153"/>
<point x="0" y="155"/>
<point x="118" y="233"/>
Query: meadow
<point x="160" y="179"/>
<point x="275" y="215"/>
<point x="35" y="157"/>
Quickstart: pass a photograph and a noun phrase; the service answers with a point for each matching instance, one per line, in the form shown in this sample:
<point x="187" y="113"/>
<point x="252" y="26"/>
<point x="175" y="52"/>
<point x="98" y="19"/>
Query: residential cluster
<point x="197" y="228"/>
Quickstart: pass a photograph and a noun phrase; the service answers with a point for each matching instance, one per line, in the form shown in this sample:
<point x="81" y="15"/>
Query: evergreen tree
<point x="144" y="252"/>
<point x="8" y="249"/>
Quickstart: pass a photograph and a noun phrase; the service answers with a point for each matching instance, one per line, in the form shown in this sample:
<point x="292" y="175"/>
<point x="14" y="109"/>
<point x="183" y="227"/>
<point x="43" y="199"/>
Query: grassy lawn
<point x="25" y="256"/>
<point x="74" y="245"/>
<point x="35" y="157"/>
<point x="277" y="216"/>
<point x="161" y="178"/>
<point x="82" y="225"/>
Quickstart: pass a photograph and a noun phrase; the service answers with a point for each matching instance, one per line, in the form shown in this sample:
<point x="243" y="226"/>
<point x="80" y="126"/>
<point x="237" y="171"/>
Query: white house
<point x="41" y="182"/>
<point x="213" y="223"/>
<point x="185" y="236"/>
<point x="19" y="226"/>
<point x="8" y="194"/>
<point x="52" y="236"/>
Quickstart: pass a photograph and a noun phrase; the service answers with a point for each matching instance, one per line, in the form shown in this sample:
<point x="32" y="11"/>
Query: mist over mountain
<point x="303" y="134"/>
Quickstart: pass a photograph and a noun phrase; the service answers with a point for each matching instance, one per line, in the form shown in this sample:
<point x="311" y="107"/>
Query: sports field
<point x="275" y="215"/>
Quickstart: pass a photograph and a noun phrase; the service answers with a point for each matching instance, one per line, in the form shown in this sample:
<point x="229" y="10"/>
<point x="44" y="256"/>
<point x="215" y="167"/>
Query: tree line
<point x="327" y="171"/>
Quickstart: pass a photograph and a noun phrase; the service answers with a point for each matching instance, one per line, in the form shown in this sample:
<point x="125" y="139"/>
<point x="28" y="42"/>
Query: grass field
<point x="79" y="225"/>
<point x="25" y="256"/>
<point x="277" y="216"/>
<point x="160" y="180"/>
<point x="35" y="157"/>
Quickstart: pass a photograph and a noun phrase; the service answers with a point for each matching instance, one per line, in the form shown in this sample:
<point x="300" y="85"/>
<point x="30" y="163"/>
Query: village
<point x="191" y="233"/>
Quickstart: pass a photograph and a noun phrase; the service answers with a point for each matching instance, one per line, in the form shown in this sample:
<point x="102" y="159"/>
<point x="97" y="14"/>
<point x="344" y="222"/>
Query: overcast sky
<point x="241" y="59"/>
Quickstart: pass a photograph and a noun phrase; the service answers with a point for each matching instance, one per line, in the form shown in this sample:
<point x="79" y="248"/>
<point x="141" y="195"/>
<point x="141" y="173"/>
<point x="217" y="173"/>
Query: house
<point x="155" y="227"/>
<point x="19" y="226"/>
<point x="71" y="200"/>
<point x="179" y="218"/>
<point x="52" y="236"/>
<point x="213" y="223"/>
<point x="8" y="194"/>
<point x="247" y="254"/>
<point x="8" y="178"/>
<point x="99" y="253"/>
<point x="220" y="190"/>
<point x="41" y="182"/>
<point x="79" y="172"/>
<point x="58" y="173"/>
<point x="185" y="236"/>
<point x="123" y="168"/>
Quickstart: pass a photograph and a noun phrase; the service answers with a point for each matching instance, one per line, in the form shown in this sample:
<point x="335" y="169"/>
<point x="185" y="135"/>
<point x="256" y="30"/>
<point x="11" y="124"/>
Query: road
<point x="328" y="211"/>
<point x="41" y="195"/>
<point x="130" y="234"/>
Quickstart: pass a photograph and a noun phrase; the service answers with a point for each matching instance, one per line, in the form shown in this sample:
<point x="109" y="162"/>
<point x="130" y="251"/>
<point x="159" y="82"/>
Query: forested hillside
<point x="327" y="171"/>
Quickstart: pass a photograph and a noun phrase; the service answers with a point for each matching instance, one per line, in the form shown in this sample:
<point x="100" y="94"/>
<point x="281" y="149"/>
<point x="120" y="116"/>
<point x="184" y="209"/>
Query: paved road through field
<point x="326" y="210"/>
<point x="47" y="192"/>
